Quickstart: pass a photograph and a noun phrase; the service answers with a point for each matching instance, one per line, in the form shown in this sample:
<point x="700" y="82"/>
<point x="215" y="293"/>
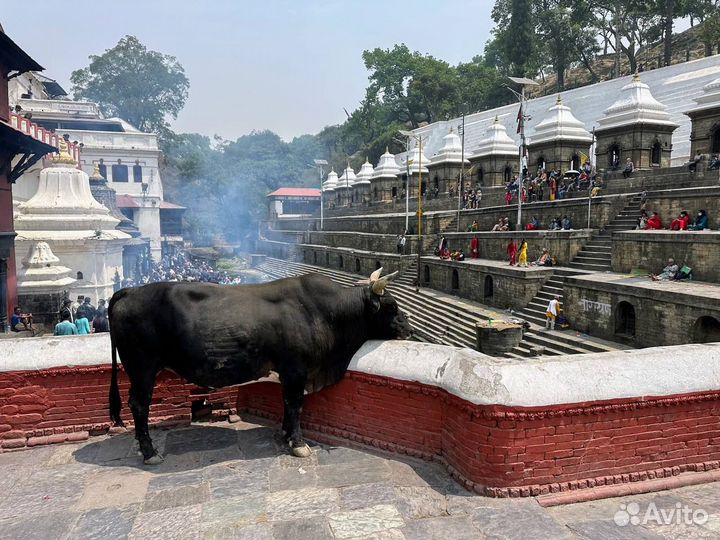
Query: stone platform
<point x="226" y="481"/>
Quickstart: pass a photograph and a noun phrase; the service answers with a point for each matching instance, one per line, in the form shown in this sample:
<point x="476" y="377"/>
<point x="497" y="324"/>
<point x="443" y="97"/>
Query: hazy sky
<point x="288" y="66"/>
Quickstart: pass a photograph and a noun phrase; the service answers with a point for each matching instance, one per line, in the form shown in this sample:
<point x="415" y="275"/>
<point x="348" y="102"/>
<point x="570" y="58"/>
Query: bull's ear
<point x="378" y="286"/>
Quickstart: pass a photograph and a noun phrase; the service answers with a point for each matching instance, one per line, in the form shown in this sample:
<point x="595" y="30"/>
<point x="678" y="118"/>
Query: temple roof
<point x="560" y="125"/>
<point x="417" y="160"/>
<point x="283" y="192"/>
<point x="347" y="180"/>
<point x="710" y="98"/>
<point x="635" y="106"/>
<point x="365" y="174"/>
<point x="14" y="58"/>
<point x="496" y="142"/>
<point x="387" y="167"/>
<point x="331" y="181"/>
<point x="450" y="152"/>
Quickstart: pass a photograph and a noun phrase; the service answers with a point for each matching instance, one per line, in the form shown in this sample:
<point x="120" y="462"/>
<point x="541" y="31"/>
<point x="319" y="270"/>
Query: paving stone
<point x="295" y="478"/>
<point x="457" y="528"/>
<point x="390" y="534"/>
<point x="33" y="497"/>
<point x="402" y="474"/>
<point x="516" y="519"/>
<point x="684" y="531"/>
<point x="179" y="496"/>
<point x="54" y="525"/>
<point x="168" y="481"/>
<point x="353" y="497"/>
<point x="235" y="510"/>
<point x="182" y="522"/>
<point x="189" y="461"/>
<point x="242" y="483"/>
<point x="257" y="443"/>
<point x="219" y="531"/>
<point x="199" y="439"/>
<point x="356" y="472"/>
<point x="288" y="461"/>
<point x="301" y="503"/>
<point x="334" y="455"/>
<point x="420" y="502"/>
<point x="105" y="523"/>
<point x="364" y="521"/>
<point x="703" y="496"/>
<point x="302" y="529"/>
<point x="603" y="509"/>
<point x="609" y="529"/>
<point x="107" y="449"/>
<point x="107" y="488"/>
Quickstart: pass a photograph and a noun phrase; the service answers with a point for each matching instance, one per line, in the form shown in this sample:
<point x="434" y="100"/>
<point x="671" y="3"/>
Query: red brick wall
<point x="61" y="404"/>
<point x="494" y="450"/>
<point x="503" y="451"/>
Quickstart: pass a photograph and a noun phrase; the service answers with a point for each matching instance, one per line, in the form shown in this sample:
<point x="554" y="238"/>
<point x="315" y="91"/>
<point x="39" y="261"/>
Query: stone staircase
<point x="437" y="319"/>
<point x="596" y="256"/>
<point x="409" y="276"/>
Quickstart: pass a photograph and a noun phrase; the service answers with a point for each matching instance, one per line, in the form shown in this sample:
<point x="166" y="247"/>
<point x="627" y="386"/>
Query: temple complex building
<point x="445" y="167"/>
<point x="705" y="117"/>
<point x="126" y="157"/>
<point x="496" y="157"/>
<point x="385" y="178"/>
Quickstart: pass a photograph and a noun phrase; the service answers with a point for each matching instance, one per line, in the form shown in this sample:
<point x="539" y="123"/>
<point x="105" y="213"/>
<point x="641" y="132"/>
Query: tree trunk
<point x="560" y="72"/>
<point x="588" y="66"/>
<point x="669" y="12"/>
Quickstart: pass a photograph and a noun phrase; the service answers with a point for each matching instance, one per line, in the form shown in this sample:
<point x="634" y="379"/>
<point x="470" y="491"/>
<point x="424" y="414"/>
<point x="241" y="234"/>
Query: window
<point x="576" y="162"/>
<point x="340" y="261"/>
<point x="426" y="275"/>
<point x="119" y="173"/>
<point x="655" y="154"/>
<point x="488" y="293"/>
<point x="507" y="174"/>
<point x="455" y="280"/>
<point x="103" y="170"/>
<point x="715" y="146"/>
<point x="378" y="266"/>
<point x="314" y="257"/>
<point x="137" y="173"/>
<point x="625" y="319"/>
<point x="327" y="259"/>
<point x="480" y="175"/>
<point x="614" y="156"/>
<point x="79" y="276"/>
<point x="706" y="330"/>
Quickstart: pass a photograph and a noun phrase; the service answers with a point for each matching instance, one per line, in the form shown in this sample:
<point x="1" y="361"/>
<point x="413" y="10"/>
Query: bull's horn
<point x="378" y="287"/>
<point x="375" y="275"/>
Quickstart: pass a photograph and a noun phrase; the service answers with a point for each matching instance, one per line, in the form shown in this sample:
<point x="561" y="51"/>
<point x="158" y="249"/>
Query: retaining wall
<point x="502" y="428"/>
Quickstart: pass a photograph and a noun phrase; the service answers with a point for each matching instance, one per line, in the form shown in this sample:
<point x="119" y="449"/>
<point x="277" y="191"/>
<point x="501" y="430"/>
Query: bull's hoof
<point x="301" y="451"/>
<point x="156" y="459"/>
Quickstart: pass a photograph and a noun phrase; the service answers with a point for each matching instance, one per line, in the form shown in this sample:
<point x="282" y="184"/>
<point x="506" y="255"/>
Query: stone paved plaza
<point x="225" y="480"/>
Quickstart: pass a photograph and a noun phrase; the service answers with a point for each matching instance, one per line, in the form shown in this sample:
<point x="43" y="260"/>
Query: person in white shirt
<point x="552" y="311"/>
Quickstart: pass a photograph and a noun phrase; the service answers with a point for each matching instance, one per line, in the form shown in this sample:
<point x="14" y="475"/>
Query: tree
<point x="521" y="43"/>
<point x="141" y="86"/>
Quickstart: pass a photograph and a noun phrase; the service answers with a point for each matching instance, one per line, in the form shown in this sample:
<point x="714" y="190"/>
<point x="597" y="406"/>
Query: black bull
<point x="306" y="329"/>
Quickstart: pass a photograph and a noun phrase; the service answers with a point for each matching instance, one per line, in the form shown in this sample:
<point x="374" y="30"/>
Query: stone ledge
<point x="493" y="267"/>
<point x="665" y="236"/>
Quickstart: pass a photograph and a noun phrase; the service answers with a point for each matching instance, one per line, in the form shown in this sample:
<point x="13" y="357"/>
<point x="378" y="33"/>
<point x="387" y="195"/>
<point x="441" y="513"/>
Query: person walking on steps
<point x="551" y="313"/>
<point x="522" y="257"/>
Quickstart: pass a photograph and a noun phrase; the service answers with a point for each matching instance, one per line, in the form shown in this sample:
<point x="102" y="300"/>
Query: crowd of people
<point x="81" y="317"/>
<point x="683" y="222"/>
<point x="179" y="267"/>
<point x="552" y="185"/>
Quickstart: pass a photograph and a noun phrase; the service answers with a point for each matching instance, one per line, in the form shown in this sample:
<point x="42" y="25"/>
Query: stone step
<point x="599" y="247"/>
<point x="586" y="258"/>
<point x="591" y="267"/>
<point x="593" y="253"/>
<point x="547" y="339"/>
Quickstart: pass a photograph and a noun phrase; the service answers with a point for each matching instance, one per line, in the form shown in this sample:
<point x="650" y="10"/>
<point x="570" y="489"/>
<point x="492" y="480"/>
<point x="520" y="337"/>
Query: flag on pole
<point x="520" y="120"/>
<point x="584" y="158"/>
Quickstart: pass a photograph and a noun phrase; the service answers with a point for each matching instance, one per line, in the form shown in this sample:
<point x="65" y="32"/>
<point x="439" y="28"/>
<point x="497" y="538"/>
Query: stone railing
<point x="117" y="140"/>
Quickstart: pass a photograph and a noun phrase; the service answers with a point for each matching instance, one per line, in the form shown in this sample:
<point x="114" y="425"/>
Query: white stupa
<point x="418" y="161"/>
<point x="78" y="229"/>
<point x="387" y="167"/>
<point x="347" y="179"/>
<point x="331" y="181"/>
<point x="450" y="152"/>
<point x="496" y="141"/>
<point x="635" y="106"/>
<point x="710" y="98"/>
<point x="560" y="125"/>
<point x="365" y="174"/>
<point x="41" y="273"/>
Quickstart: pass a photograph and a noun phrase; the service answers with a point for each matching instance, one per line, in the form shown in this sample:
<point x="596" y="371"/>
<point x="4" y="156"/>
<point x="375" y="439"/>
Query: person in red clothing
<point x="474" y="248"/>
<point x="508" y="197"/>
<point x="512" y="252"/>
<point x="681" y="222"/>
<point x="654" y="222"/>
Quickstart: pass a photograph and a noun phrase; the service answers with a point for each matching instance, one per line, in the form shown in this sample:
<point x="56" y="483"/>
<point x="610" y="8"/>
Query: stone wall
<point x="669" y="203"/>
<point x="634" y="141"/>
<point x="349" y="260"/>
<point x="603" y="210"/>
<point x="705" y="124"/>
<point x="392" y="224"/>
<point x="563" y="245"/>
<point x="650" y="250"/>
<point x="280" y="250"/>
<point x="383" y="243"/>
<point x="664" y="313"/>
<point x="45" y="307"/>
<point x="511" y="287"/>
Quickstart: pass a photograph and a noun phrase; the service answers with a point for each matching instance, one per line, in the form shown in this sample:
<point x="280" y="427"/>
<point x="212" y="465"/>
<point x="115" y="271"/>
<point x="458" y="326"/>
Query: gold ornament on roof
<point x="636" y="77"/>
<point x="96" y="173"/>
<point x="63" y="157"/>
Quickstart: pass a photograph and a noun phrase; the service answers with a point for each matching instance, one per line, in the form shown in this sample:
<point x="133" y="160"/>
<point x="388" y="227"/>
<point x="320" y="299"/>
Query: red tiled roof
<point x="126" y="201"/>
<point x="164" y="205"/>
<point x="295" y="192"/>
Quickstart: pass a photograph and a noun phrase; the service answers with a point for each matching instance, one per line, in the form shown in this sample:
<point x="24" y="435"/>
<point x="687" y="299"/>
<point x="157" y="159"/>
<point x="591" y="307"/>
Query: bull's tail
<point x="114" y="399"/>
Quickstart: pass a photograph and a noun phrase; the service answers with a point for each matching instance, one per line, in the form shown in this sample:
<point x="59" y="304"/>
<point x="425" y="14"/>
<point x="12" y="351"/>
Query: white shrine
<point x="78" y="229"/>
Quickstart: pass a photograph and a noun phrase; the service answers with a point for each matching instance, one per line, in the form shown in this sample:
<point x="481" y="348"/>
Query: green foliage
<point x="141" y="86"/>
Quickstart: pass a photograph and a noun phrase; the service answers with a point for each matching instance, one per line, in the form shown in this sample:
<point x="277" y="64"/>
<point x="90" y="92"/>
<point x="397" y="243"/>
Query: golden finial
<point x="559" y="100"/>
<point x="451" y="129"/>
<point x="497" y="119"/>
<point x="63" y="157"/>
<point x="636" y="77"/>
<point x="96" y="173"/>
<point x="387" y="149"/>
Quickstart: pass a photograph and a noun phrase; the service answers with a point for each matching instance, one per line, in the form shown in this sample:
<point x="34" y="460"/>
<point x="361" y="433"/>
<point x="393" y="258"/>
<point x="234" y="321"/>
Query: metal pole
<point x="321" y="198"/>
<point x="407" y="183"/>
<point x="462" y="172"/>
<point x="522" y="152"/>
<point x="419" y="249"/>
<point x="590" y="186"/>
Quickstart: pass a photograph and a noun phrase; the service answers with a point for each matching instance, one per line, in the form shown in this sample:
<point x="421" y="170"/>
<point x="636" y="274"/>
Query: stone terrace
<point x="225" y="481"/>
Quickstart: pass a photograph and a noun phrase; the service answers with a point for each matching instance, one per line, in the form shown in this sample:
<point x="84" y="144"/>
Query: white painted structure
<point x="496" y="142"/>
<point x="387" y="167"/>
<point x="41" y="273"/>
<point x="635" y="105"/>
<point x="128" y="157"/>
<point x="710" y="98"/>
<point x="79" y="230"/>
<point x="560" y="125"/>
<point x="451" y="151"/>
<point x="465" y="373"/>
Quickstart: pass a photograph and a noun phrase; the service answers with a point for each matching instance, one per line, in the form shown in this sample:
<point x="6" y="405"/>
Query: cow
<point x="303" y="329"/>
